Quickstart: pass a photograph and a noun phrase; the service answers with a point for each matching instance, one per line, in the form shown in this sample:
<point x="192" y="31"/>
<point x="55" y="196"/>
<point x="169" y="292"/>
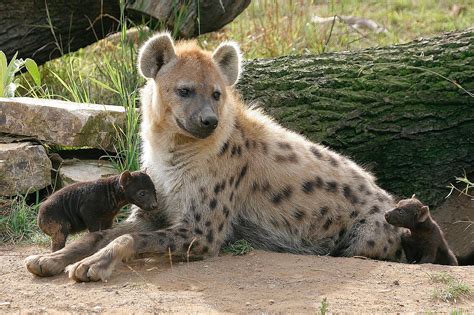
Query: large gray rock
<point x="73" y="171"/>
<point x="62" y="123"/>
<point x="24" y="167"/>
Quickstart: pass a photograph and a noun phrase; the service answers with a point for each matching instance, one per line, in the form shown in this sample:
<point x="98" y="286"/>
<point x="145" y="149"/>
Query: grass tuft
<point x="19" y="223"/>
<point x="452" y="290"/>
<point x="324" y="307"/>
<point x="238" y="248"/>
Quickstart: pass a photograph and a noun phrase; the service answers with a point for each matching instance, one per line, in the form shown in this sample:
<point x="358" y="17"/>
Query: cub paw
<point x="44" y="266"/>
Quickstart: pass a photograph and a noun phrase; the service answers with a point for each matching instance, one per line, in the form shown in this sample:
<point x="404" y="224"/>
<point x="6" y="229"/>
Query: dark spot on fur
<point x="247" y="144"/>
<point x="333" y="161"/>
<point x="210" y="236"/>
<point x="308" y="186"/>
<point x="315" y="152"/>
<point x="217" y="188"/>
<point x="266" y="186"/>
<point x="374" y="209"/>
<point x="378" y="224"/>
<point x="347" y="191"/>
<point x="342" y="232"/>
<point x="362" y="221"/>
<point x="198" y="231"/>
<point x="299" y="214"/>
<point x="197" y="216"/>
<point x="193" y="205"/>
<point x="221" y="226"/>
<point x="280" y="158"/>
<point x="354" y="214"/>
<point x="390" y="241"/>
<point x="224" y="148"/>
<point x="243" y="171"/>
<point x="327" y="224"/>
<point x="385" y="249"/>
<point x="371" y="243"/>
<point x="324" y="210"/>
<point x="362" y="187"/>
<point x="331" y="186"/>
<point x="205" y="249"/>
<point x="231" y="197"/>
<point x="293" y="158"/>
<point x="208" y="223"/>
<point x="254" y="186"/>
<point x="161" y="234"/>
<point x="213" y="203"/>
<point x="231" y="180"/>
<point x="284" y="145"/>
<point x="264" y="147"/>
<point x="225" y="210"/>
<point x="183" y="230"/>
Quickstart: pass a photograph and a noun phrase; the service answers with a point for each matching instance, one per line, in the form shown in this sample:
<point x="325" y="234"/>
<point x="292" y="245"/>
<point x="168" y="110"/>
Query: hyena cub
<point x="426" y="244"/>
<point x="93" y="205"/>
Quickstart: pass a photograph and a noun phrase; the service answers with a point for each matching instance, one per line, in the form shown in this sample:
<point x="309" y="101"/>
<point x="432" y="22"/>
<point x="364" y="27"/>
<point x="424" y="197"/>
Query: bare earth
<point x="258" y="282"/>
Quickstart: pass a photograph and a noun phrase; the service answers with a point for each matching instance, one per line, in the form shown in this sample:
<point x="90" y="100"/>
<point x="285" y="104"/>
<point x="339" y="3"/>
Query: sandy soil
<point x="255" y="283"/>
<point x="258" y="282"/>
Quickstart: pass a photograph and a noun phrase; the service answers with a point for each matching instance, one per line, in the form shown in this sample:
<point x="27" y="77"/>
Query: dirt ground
<point x="255" y="283"/>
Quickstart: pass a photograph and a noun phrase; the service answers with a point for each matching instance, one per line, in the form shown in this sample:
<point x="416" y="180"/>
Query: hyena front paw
<point x="94" y="268"/>
<point x="44" y="265"/>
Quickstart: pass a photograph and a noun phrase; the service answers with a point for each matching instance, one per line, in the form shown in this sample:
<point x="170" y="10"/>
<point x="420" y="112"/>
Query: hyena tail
<point x="261" y="238"/>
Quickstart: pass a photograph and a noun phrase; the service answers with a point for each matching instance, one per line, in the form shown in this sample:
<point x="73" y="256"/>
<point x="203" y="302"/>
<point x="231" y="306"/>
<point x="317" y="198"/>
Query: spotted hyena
<point x="224" y="171"/>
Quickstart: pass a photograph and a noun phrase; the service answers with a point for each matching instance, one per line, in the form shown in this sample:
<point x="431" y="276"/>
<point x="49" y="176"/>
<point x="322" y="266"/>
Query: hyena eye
<point x="184" y="92"/>
<point x="141" y="194"/>
<point x="216" y="95"/>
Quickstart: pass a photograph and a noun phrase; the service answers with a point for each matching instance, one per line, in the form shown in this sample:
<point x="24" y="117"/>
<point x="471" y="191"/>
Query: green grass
<point x="238" y="248"/>
<point x="19" y="222"/>
<point x="452" y="289"/>
<point x="324" y="307"/>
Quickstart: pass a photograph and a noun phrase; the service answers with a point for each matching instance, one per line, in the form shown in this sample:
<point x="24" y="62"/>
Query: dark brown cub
<point x="426" y="244"/>
<point x="93" y="205"/>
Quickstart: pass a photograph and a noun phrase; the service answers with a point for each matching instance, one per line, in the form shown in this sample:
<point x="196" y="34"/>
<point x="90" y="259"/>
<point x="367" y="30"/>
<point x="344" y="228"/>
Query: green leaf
<point x="3" y="72"/>
<point x="32" y="68"/>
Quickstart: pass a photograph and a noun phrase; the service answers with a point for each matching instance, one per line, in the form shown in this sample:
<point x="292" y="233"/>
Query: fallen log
<point x="406" y="112"/>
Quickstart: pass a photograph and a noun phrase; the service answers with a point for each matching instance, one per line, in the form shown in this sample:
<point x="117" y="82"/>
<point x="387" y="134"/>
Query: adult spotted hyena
<point x="223" y="170"/>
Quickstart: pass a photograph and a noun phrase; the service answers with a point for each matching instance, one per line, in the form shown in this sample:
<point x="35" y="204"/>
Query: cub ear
<point x="124" y="178"/>
<point x="228" y="58"/>
<point x="423" y="214"/>
<point x="154" y="54"/>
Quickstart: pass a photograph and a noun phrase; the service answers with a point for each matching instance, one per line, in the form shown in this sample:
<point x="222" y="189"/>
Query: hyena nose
<point x="209" y="121"/>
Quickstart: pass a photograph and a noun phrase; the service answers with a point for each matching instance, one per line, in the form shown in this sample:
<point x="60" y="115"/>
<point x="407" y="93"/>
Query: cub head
<point x="191" y="85"/>
<point x="408" y="213"/>
<point x="138" y="189"/>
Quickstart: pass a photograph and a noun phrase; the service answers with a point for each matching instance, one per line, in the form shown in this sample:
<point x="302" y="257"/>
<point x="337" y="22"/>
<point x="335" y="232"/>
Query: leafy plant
<point x="453" y="289"/>
<point x="8" y="82"/>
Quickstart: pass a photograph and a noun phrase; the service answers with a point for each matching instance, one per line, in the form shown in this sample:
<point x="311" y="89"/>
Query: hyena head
<point x="191" y="86"/>
<point x="408" y="213"/>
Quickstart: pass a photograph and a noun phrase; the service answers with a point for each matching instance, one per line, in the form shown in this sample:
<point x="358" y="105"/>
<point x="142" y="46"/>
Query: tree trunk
<point x="45" y="29"/>
<point x="406" y="112"/>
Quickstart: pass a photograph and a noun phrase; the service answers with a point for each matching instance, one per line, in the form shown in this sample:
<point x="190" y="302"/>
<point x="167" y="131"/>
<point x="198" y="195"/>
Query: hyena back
<point x="223" y="170"/>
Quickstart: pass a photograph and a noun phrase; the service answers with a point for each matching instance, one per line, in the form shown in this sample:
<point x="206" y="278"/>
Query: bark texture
<point x="46" y="29"/>
<point x="393" y="109"/>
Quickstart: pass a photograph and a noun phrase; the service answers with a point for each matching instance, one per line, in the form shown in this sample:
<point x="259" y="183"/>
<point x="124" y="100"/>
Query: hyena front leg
<point x="178" y="240"/>
<point x="45" y="265"/>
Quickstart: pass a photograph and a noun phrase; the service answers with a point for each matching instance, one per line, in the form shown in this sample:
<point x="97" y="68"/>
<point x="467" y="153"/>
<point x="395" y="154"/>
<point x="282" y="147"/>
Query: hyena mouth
<point x="199" y="133"/>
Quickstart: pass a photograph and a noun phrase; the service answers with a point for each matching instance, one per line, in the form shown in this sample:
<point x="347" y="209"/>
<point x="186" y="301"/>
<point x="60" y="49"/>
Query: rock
<point x="63" y="123"/>
<point x="24" y="167"/>
<point x="73" y="171"/>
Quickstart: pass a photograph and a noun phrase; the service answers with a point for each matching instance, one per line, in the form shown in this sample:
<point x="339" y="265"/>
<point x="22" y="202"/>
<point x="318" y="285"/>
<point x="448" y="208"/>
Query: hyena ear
<point x="124" y="177"/>
<point x="228" y="58"/>
<point x="154" y="54"/>
<point x="413" y="196"/>
<point x="423" y="215"/>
